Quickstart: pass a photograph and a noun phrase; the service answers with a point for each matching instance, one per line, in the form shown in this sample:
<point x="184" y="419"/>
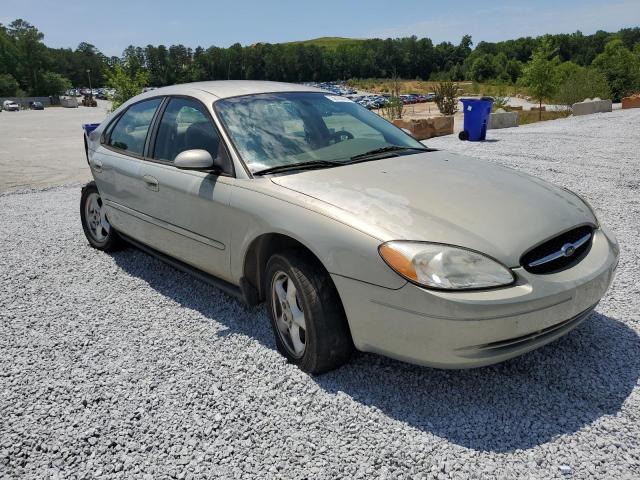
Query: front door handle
<point x="97" y="165"/>
<point x="151" y="183"/>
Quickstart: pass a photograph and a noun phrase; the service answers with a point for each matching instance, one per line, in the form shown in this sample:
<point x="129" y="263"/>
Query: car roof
<point x="233" y="88"/>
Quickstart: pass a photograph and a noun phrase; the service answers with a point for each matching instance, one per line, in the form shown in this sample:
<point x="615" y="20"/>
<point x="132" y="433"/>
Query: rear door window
<point x="130" y="132"/>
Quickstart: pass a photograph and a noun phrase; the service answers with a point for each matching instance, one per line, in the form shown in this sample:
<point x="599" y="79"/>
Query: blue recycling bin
<point x="476" y="118"/>
<point x="90" y="127"/>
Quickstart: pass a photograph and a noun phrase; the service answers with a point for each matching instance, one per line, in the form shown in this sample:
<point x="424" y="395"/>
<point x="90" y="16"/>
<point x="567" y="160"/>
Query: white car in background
<point x="10" y="106"/>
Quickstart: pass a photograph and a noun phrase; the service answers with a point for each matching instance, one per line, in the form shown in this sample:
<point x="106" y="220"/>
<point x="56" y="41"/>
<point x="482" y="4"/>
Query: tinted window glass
<point x="130" y="132"/>
<point x="185" y="125"/>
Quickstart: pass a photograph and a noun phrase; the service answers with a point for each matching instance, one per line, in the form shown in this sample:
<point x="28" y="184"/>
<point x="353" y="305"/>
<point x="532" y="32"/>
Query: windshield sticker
<point x="338" y="98"/>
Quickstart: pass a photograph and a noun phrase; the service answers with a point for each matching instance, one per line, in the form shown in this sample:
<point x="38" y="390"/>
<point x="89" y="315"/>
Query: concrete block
<point x="69" y="102"/>
<point x="589" y="106"/>
<point x="424" y="128"/>
<point x="632" y="101"/>
<point x="504" y="120"/>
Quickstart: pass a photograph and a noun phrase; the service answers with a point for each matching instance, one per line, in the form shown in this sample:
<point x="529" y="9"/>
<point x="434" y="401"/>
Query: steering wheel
<point x="341" y="136"/>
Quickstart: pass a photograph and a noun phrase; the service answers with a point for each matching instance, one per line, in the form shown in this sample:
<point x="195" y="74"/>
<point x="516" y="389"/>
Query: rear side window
<point x="185" y="125"/>
<point x="130" y="131"/>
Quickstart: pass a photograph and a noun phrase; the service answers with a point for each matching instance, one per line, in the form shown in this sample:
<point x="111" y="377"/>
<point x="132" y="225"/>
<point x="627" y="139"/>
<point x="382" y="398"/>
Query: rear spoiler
<point x="88" y="128"/>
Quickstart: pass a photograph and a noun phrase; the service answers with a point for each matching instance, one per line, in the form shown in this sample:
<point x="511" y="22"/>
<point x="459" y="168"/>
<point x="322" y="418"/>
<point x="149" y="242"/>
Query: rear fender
<point x="92" y="133"/>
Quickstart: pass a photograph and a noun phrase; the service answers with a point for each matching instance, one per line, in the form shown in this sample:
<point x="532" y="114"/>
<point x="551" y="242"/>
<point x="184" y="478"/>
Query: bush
<point x="394" y="108"/>
<point x="581" y="84"/>
<point x="445" y="97"/>
<point x="499" y="102"/>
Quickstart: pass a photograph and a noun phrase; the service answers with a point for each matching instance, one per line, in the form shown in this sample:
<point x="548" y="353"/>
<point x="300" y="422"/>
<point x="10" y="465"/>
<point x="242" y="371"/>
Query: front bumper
<point x="472" y="329"/>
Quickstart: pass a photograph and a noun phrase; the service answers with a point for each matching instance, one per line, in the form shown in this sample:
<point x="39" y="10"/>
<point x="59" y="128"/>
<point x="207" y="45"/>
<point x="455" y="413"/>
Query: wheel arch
<point x="258" y="254"/>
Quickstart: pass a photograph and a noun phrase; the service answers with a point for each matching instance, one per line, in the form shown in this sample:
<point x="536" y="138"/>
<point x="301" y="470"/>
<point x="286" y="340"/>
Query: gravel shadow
<point x="518" y="404"/>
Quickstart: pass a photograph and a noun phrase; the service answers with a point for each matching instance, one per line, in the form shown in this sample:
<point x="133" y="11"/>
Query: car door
<point x="116" y="164"/>
<point x="187" y="211"/>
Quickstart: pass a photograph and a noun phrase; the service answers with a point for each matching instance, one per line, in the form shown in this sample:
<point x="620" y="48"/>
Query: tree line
<point x="28" y="66"/>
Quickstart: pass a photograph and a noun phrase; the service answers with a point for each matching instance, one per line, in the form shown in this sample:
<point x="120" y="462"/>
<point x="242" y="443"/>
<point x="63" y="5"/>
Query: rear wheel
<point x="463" y="135"/>
<point x="307" y="317"/>
<point x="96" y="226"/>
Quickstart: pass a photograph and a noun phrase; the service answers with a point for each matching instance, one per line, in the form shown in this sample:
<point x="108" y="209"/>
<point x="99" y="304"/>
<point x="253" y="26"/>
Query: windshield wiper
<point x="389" y="149"/>
<point x="298" y="166"/>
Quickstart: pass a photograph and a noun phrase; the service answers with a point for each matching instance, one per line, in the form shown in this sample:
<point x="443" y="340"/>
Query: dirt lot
<point x="118" y="366"/>
<point x="45" y="148"/>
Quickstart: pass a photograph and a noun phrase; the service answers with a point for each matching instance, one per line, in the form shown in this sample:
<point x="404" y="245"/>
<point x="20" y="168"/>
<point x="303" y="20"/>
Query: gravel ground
<point x="117" y="366"/>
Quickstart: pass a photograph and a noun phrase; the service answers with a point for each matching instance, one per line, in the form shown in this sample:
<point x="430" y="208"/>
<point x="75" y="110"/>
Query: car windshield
<point x="280" y="129"/>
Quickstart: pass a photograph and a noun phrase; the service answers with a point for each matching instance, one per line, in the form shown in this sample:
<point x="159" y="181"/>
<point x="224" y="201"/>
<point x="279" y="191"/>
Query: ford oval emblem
<point x="568" y="249"/>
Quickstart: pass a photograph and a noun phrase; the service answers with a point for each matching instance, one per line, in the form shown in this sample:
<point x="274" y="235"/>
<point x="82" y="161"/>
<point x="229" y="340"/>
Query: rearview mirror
<point x="194" y="160"/>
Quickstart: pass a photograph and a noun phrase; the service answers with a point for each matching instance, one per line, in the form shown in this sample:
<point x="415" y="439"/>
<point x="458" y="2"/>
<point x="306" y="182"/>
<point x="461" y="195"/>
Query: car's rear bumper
<point x="471" y="329"/>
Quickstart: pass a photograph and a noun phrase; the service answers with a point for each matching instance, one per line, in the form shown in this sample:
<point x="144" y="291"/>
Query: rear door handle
<point x="97" y="165"/>
<point x="151" y="182"/>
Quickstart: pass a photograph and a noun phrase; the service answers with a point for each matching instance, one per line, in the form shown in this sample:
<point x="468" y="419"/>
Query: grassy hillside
<point x="327" y="42"/>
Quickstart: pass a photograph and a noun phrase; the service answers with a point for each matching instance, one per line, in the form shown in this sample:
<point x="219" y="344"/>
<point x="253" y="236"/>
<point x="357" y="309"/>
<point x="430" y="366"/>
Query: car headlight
<point x="444" y="267"/>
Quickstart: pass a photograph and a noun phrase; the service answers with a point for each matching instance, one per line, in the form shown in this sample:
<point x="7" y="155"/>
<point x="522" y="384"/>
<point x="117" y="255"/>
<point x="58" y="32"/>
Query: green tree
<point x="566" y="70"/>
<point x="8" y="52"/>
<point x="51" y="83"/>
<point x="126" y="86"/>
<point x="483" y="69"/>
<point x="8" y="85"/>
<point x="513" y="69"/>
<point x="621" y="67"/>
<point x="133" y="60"/>
<point x="540" y="73"/>
<point x="31" y="54"/>
<point x="24" y="56"/>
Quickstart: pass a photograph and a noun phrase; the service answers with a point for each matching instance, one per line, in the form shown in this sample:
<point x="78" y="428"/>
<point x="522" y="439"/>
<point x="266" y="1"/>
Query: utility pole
<point x="90" y="89"/>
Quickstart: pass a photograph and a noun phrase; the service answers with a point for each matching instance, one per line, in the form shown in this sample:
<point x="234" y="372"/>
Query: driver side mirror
<point x="196" y="159"/>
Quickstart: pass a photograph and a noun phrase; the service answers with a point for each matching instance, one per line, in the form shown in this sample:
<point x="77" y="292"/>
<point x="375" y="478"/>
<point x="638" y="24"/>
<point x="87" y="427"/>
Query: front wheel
<point x="96" y="226"/>
<point x="307" y="317"/>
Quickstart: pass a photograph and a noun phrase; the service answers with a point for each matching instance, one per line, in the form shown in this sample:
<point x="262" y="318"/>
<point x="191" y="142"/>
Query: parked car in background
<point x="10" y="106"/>
<point x="353" y="233"/>
<point x="37" y="106"/>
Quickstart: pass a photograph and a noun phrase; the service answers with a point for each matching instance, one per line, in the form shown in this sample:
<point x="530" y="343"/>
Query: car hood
<point x="446" y="198"/>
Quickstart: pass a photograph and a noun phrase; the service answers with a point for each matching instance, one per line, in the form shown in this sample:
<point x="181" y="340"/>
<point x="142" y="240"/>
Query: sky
<point x="113" y="25"/>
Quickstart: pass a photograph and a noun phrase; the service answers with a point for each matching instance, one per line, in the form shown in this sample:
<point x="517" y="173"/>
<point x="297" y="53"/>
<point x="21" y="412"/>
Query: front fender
<point x="342" y="249"/>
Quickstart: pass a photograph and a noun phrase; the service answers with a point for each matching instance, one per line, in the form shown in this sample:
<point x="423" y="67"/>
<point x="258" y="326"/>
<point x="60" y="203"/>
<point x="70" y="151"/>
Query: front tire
<point x="307" y="317"/>
<point x="96" y="226"/>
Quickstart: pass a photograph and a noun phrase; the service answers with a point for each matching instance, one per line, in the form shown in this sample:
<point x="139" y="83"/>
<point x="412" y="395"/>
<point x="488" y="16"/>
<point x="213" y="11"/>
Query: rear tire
<point x="307" y="317"/>
<point x="99" y="232"/>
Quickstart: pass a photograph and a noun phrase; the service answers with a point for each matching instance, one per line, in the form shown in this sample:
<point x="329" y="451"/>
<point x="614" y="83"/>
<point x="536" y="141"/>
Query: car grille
<point x="559" y="253"/>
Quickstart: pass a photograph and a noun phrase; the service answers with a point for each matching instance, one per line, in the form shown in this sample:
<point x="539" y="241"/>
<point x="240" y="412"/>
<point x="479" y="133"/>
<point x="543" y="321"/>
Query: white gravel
<point x="117" y="366"/>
